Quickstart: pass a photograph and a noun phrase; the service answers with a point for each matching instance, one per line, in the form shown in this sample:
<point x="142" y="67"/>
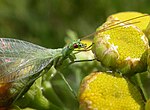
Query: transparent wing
<point x="24" y="70"/>
<point x="20" y="59"/>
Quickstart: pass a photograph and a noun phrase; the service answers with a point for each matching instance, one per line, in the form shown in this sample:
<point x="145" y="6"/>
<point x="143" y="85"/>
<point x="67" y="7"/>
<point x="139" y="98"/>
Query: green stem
<point x="66" y="82"/>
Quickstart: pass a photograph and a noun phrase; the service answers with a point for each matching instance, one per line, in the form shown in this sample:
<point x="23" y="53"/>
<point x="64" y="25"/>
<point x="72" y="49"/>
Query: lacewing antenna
<point x="129" y="20"/>
<point x="112" y="26"/>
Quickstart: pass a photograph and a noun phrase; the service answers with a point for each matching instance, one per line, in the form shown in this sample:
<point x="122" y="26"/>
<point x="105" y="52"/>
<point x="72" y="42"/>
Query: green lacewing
<point x="21" y="60"/>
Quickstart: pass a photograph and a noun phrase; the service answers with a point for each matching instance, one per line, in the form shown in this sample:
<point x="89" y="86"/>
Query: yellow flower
<point x="107" y="91"/>
<point x="123" y="48"/>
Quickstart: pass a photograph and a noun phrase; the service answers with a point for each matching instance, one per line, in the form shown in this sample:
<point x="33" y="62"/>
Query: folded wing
<point x="20" y="59"/>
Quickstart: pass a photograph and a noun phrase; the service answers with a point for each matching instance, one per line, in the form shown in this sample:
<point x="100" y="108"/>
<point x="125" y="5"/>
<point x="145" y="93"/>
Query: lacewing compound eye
<point x="75" y="45"/>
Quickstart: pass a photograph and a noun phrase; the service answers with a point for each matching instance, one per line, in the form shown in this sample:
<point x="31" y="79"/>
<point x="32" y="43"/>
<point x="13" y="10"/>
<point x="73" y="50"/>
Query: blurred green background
<point x="46" y="22"/>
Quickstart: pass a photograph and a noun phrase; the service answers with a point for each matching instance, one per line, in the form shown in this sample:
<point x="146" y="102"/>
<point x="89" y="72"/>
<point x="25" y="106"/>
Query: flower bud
<point x="123" y="48"/>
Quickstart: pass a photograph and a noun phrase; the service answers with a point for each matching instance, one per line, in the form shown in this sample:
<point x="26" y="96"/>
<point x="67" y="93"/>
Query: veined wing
<point x="20" y="59"/>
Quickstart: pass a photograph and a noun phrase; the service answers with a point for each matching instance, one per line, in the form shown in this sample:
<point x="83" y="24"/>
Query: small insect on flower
<point x="21" y="63"/>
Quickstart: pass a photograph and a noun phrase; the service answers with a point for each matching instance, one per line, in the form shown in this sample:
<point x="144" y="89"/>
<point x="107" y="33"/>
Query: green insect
<point x="18" y="56"/>
<point x="21" y="60"/>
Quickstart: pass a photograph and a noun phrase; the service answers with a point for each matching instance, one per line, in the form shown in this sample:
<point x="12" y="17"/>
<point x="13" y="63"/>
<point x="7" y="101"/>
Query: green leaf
<point x="143" y="81"/>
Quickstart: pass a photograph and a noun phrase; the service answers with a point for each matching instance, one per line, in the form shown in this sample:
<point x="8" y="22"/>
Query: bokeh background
<point x="46" y="22"/>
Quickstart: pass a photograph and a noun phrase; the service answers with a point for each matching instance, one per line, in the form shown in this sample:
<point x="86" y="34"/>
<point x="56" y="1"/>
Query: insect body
<point x="21" y="60"/>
